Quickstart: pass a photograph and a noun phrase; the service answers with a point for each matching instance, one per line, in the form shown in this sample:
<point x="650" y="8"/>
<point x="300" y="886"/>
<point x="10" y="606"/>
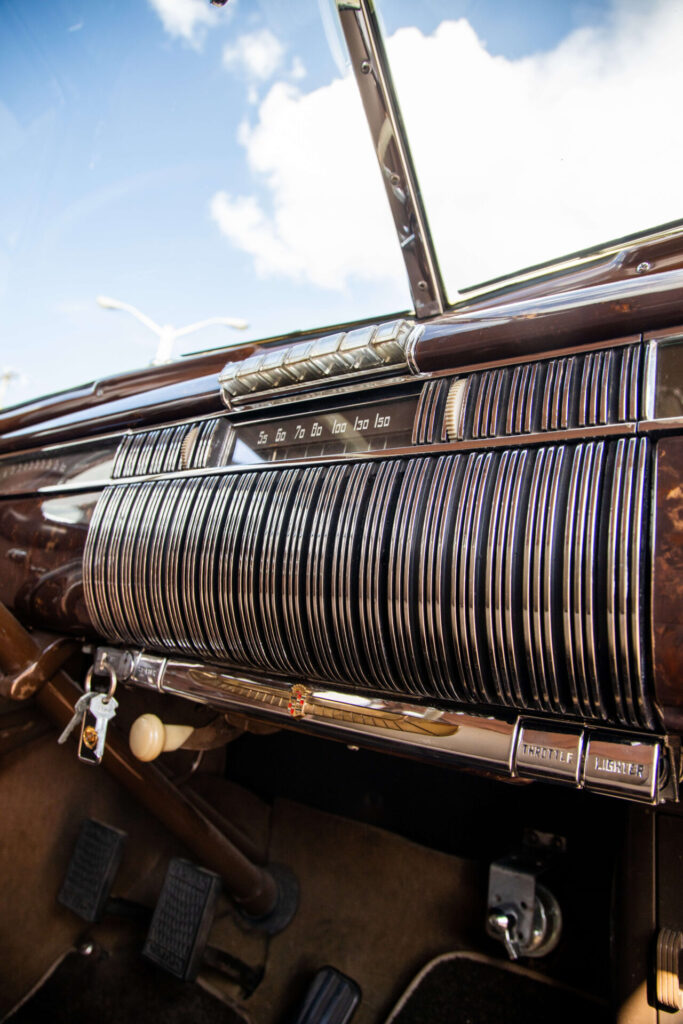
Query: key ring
<point x="109" y="670"/>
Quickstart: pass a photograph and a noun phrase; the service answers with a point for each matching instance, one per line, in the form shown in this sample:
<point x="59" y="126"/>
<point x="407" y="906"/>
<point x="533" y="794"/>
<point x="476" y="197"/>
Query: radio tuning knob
<point x="455" y="404"/>
<point x="149" y="737"/>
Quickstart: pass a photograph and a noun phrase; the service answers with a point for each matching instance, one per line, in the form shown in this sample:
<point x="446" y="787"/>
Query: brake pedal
<point x="182" y="919"/>
<point x="95" y="859"/>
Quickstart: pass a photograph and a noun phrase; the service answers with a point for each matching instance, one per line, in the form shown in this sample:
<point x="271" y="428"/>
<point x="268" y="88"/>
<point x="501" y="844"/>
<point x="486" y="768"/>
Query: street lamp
<point x="168" y="334"/>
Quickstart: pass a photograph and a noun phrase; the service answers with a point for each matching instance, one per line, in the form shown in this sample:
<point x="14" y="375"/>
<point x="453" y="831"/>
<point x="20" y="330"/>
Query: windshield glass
<point x="194" y="162"/>
<point x="175" y="157"/>
<point x="538" y="129"/>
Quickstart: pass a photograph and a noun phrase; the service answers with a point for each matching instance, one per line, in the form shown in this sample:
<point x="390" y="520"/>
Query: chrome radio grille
<point x="587" y="390"/>
<point x="169" y="449"/>
<point x="498" y="578"/>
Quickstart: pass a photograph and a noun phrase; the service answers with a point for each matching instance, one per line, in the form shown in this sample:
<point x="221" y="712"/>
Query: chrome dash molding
<point x="375" y="349"/>
<point x="607" y="761"/>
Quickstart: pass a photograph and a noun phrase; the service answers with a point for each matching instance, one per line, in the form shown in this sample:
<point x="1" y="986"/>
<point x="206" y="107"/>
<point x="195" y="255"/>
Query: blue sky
<point x="139" y="153"/>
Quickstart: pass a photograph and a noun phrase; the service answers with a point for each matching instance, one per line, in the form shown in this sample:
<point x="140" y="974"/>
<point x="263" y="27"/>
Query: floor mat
<point x="373" y="905"/>
<point x="468" y="988"/>
<point x="119" y="986"/>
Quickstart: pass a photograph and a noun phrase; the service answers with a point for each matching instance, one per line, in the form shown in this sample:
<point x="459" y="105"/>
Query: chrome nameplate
<point x="622" y="768"/>
<point x="552" y="753"/>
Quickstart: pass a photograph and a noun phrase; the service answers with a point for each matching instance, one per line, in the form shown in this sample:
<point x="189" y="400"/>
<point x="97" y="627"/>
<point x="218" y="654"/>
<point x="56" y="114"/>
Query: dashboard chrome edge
<point x="608" y="761"/>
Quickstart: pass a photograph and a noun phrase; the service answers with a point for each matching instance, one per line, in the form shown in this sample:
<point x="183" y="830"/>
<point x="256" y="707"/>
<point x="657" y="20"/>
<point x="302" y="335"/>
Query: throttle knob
<point x="149" y="737"/>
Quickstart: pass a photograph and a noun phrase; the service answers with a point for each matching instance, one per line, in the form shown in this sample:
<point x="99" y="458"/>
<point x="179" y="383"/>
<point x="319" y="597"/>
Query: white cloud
<point x="185" y="19"/>
<point x="258" y="54"/>
<point x="519" y="160"/>
<point x="329" y="216"/>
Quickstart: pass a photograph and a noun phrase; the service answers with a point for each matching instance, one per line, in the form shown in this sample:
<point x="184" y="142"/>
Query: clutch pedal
<point x="90" y="875"/>
<point x="182" y="919"/>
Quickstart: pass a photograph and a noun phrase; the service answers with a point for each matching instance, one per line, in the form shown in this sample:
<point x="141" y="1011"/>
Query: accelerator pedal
<point x="332" y="998"/>
<point x="182" y="919"/>
<point x="90" y="875"/>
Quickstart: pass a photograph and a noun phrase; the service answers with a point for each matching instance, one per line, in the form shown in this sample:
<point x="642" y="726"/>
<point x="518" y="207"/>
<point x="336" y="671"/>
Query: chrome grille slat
<point x="512" y="575"/>
<point x="132" y="456"/>
<point x="638" y="564"/>
<point x="534" y="528"/>
<point x="606" y="387"/>
<point x="318" y="582"/>
<point x="522" y="399"/>
<point x="552" y="611"/>
<point x="513" y="398"/>
<point x="428" y="582"/>
<point x="483" y="380"/>
<point x="121" y="455"/>
<point x="146" y="452"/>
<point x="457" y="604"/>
<point x="230" y="554"/>
<point x="294" y="570"/>
<point x="508" y="578"/>
<point x="419" y="413"/>
<point x="466" y="560"/>
<point x="474" y="612"/>
<point x="540" y="620"/>
<point x="443" y="579"/>
<point x="344" y="593"/>
<point x="176" y="550"/>
<point x="399" y="548"/>
<point x="409" y="574"/>
<point x="209" y="566"/>
<point x="118" y="540"/>
<point x="162" y="536"/>
<point x="129" y="563"/>
<point x="372" y="580"/>
<point x="258" y="524"/>
<point x="549" y="392"/>
<point x="190" y="570"/>
<point x="634" y="390"/>
<point x="590" y="595"/>
<point x="530" y="399"/>
<point x="157" y="459"/>
<point x="492" y="587"/>
<point x="618" y="515"/>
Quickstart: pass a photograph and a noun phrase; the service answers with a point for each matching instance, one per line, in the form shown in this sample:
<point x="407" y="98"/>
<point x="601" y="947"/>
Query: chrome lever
<point x="504" y="924"/>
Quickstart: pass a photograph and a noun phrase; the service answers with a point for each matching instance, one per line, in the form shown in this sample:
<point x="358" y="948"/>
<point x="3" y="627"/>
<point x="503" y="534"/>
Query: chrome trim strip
<point x="609" y="762"/>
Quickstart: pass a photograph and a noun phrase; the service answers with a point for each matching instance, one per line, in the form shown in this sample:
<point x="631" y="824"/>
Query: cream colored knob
<point x="454" y="408"/>
<point x="149" y="737"/>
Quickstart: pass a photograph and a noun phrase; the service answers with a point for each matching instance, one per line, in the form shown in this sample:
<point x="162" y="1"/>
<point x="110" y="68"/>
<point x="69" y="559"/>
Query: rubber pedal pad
<point x="182" y="918"/>
<point x="95" y="859"/>
<point x="331" y="998"/>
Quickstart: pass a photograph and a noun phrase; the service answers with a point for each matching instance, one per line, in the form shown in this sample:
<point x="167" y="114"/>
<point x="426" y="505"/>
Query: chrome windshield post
<point x="371" y="67"/>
